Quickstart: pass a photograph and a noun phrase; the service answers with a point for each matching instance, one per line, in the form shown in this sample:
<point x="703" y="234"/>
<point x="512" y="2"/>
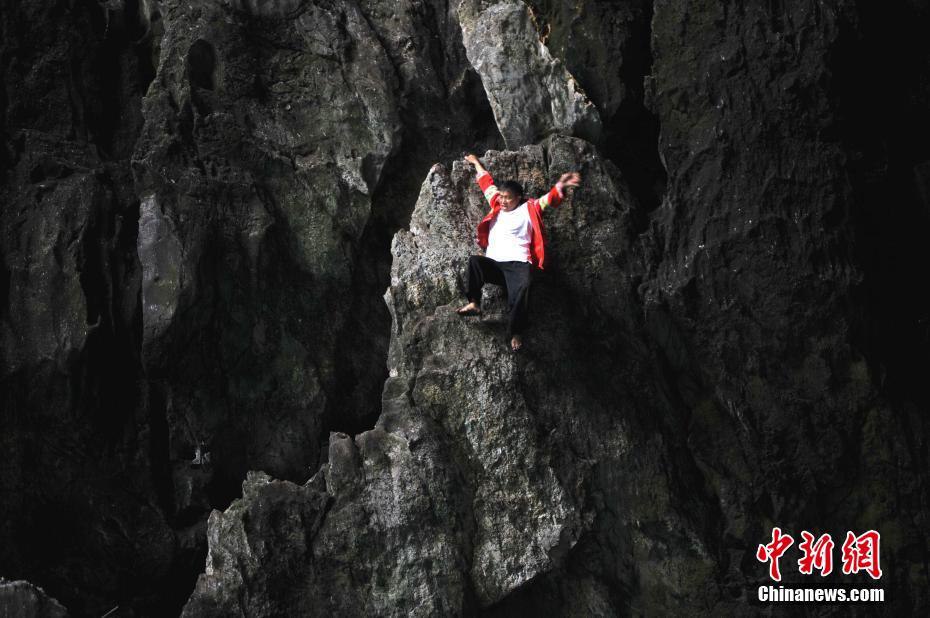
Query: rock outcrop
<point x="198" y="207"/>
<point x="80" y="513"/>
<point x="158" y="252"/>
<point x="475" y="479"/>
<point x="693" y="376"/>
<point x="268" y="126"/>
<point x="603" y="45"/>
<point x="494" y="481"/>
<point x="531" y="93"/>
<point x="760" y="261"/>
<point x="20" y="599"/>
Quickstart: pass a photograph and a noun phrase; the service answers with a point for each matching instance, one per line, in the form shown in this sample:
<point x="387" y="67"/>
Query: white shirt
<point x="510" y="236"/>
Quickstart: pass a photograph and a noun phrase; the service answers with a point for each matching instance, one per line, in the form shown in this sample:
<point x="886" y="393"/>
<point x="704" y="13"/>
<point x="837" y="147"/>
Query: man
<point x="512" y="236"/>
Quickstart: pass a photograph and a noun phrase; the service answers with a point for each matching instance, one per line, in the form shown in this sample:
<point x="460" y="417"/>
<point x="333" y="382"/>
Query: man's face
<point x="508" y="200"/>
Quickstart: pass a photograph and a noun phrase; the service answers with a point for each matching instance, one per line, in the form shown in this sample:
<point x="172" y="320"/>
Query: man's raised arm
<point x="554" y="197"/>
<point x="484" y="178"/>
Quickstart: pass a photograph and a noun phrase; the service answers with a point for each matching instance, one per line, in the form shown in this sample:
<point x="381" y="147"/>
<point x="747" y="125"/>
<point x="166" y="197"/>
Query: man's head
<point x="511" y="194"/>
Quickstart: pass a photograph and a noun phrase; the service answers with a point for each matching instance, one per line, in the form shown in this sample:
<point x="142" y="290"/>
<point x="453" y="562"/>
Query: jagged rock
<point x="48" y="314"/>
<point x="238" y="251"/>
<point x="602" y="43"/>
<point x="267" y="127"/>
<point x="79" y="514"/>
<point x="759" y="259"/>
<point x="605" y="45"/>
<point x="488" y="471"/>
<point x="444" y="110"/>
<point x="531" y="93"/>
<point x="256" y="546"/>
<point x="160" y="251"/>
<point x="748" y="349"/>
<point x="385" y="547"/>
<point x="465" y="491"/>
<point x="20" y="599"/>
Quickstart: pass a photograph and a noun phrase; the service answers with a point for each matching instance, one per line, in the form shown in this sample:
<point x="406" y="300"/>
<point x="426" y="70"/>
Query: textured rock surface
<point x="694" y="376"/>
<point x="474" y="481"/>
<point x="256" y="551"/>
<point x="531" y="93"/>
<point x="605" y="45"/>
<point x="267" y="129"/>
<point x="20" y="599"/>
<point x="761" y="263"/>
<point x="738" y="340"/>
<point x="600" y="42"/>
<point x="443" y="109"/>
<point x="79" y="509"/>
<point x="250" y="232"/>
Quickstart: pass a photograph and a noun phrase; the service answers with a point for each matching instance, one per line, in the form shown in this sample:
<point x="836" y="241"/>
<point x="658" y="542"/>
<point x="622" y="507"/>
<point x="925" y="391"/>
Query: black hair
<point x="511" y="186"/>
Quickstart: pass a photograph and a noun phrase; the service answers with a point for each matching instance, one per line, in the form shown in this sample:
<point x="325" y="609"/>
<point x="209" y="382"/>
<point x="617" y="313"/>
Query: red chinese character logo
<point x="773" y="551"/>
<point x="817" y="555"/>
<point x="860" y="553"/>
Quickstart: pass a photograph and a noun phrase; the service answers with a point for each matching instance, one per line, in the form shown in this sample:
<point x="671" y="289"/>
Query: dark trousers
<point x="514" y="276"/>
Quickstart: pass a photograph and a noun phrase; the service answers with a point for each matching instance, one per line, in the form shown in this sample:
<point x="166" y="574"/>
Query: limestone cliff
<point x="234" y="232"/>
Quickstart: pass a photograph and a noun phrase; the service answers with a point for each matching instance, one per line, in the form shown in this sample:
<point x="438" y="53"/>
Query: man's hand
<point x="571" y="179"/>
<point x="474" y="161"/>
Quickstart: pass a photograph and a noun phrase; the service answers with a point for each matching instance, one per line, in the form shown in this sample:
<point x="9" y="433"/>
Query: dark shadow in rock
<point x="885" y="128"/>
<point x="355" y="401"/>
<point x="201" y="63"/>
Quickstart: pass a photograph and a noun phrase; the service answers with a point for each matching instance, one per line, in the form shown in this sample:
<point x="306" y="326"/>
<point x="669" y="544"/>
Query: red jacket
<point x="535" y="208"/>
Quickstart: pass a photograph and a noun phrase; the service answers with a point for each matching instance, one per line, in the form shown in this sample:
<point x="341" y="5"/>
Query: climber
<point x="512" y="237"/>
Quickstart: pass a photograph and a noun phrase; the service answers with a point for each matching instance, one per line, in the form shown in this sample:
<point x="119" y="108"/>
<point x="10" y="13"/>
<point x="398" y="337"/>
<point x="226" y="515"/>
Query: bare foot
<point x="469" y="309"/>
<point x="516" y="343"/>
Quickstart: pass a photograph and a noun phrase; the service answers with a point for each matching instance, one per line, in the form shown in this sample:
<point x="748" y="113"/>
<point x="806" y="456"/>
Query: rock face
<point x="198" y="207"/>
<point x="157" y="252"/>
<point x="606" y="46"/>
<point x="762" y="258"/>
<point x="600" y="43"/>
<point x="531" y="93"/>
<point x="461" y="494"/>
<point x="79" y="513"/>
<point x="268" y="129"/>
<point x="21" y="599"/>
<point x="694" y="377"/>
<point x="255" y="172"/>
